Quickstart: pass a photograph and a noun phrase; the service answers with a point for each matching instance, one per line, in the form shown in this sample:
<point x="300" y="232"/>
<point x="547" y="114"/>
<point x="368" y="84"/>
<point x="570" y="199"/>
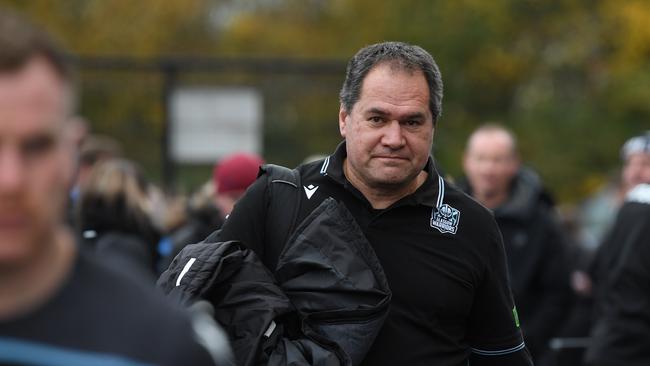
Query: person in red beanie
<point x="232" y="176"/>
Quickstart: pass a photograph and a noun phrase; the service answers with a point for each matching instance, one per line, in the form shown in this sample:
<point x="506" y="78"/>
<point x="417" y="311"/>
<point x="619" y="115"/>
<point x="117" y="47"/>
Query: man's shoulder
<point x="133" y="298"/>
<point x="314" y="168"/>
<point x="639" y="194"/>
<point x="636" y="208"/>
<point x="477" y="225"/>
<point x="473" y="208"/>
<point x="100" y="311"/>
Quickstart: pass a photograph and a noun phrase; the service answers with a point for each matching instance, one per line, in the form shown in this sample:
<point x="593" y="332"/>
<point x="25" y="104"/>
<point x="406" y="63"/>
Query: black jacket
<point x="538" y="262"/>
<point x="324" y="306"/>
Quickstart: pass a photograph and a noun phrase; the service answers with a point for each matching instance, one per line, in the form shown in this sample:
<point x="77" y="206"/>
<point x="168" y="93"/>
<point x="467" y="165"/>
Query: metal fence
<point x="128" y="99"/>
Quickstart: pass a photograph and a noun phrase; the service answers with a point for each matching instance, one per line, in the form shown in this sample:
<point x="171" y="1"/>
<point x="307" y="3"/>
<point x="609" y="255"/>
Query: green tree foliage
<point x="570" y="77"/>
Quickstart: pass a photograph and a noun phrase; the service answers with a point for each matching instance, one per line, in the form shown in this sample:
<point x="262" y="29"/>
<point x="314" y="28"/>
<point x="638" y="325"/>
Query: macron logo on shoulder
<point x="310" y="190"/>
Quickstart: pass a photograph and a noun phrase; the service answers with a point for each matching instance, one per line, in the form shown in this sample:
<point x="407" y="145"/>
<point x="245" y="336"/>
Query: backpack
<point x="283" y="187"/>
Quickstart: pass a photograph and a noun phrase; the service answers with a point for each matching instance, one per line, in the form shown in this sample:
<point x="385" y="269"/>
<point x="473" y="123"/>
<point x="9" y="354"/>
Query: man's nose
<point x="393" y="136"/>
<point x="12" y="172"/>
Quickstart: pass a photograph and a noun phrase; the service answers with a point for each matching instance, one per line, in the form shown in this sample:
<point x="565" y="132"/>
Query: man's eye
<point x="37" y="145"/>
<point x="412" y="123"/>
<point x="375" y="119"/>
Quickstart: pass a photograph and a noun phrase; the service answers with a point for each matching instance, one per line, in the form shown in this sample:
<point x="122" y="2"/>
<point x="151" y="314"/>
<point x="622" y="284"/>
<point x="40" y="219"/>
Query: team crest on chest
<point x="445" y="218"/>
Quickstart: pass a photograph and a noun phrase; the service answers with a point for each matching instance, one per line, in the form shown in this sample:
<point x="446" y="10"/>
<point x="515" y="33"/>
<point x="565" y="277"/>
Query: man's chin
<point x="391" y="181"/>
<point x="15" y="249"/>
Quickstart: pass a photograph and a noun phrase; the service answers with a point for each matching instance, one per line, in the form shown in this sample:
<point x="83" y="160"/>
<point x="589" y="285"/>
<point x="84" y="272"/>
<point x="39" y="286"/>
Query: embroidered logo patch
<point x="445" y="219"/>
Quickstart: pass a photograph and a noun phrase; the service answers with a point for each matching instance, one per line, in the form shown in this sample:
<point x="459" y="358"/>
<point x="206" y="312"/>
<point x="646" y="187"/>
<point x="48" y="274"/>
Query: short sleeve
<point x="494" y="332"/>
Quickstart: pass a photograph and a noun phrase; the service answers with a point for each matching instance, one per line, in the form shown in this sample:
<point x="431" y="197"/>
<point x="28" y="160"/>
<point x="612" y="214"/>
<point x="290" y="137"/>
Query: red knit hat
<point x="236" y="172"/>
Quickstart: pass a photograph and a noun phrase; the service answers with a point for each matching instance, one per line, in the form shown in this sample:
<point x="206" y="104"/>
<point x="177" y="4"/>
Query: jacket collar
<point x="427" y="194"/>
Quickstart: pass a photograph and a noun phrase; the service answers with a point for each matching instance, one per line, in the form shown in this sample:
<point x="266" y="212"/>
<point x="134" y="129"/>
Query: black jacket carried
<point x="324" y="305"/>
<point x="538" y="262"/>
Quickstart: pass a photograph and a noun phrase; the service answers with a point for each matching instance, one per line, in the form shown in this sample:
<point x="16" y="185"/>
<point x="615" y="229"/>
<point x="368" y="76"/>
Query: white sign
<point x="209" y="123"/>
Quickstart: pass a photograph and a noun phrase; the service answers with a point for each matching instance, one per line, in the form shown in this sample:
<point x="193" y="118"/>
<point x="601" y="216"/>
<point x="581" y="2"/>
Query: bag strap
<point x="283" y="190"/>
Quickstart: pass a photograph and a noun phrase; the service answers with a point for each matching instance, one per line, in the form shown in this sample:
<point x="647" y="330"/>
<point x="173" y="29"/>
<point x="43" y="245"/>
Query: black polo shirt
<point x="442" y="254"/>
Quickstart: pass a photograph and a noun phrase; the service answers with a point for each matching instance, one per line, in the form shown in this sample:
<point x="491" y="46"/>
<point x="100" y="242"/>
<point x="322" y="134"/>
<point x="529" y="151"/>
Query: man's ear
<point x="343" y="116"/>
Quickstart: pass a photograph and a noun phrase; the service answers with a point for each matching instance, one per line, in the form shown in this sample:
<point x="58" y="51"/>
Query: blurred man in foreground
<point x="57" y="305"/>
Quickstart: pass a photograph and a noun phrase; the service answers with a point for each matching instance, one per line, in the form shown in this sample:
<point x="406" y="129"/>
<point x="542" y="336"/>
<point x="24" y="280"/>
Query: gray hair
<point x="495" y="127"/>
<point x="402" y="55"/>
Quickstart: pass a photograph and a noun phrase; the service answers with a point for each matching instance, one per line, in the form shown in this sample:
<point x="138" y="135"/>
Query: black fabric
<point x="327" y="306"/>
<point x="621" y="335"/>
<point x="245" y="296"/>
<point x="538" y="259"/>
<point x="124" y="252"/>
<point x="450" y="291"/>
<point x="340" y="290"/>
<point x="104" y="314"/>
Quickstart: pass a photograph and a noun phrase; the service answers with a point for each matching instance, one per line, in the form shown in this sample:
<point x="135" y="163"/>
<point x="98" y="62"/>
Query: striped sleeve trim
<point x="499" y="352"/>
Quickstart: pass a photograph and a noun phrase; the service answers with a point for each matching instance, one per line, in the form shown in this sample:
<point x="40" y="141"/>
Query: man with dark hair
<point x="59" y="306"/>
<point x="441" y="252"/>
<point x="535" y="243"/>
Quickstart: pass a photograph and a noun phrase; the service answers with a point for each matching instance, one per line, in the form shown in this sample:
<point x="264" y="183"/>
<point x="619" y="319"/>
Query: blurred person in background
<point x="59" y="306"/>
<point x="114" y="218"/>
<point x="188" y="221"/>
<point x="208" y="207"/>
<point x="636" y="155"/>
<point x="621" y="271"/>
<point x="232" y="176"/>
<point x="597" y="214"/>
<point x="536" y="246"/>
<point x="92" y="149"/>
<point x="597" y="259"/>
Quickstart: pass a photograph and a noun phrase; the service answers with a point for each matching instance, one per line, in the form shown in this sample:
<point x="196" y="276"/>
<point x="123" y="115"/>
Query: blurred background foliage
<point x="570" y="77"/>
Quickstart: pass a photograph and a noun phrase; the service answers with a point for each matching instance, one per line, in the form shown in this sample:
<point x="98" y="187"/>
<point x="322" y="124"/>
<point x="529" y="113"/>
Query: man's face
<point x="35" y="162"/>
<point x="389" y="131"/>
<point x="636" y="170"/>
<point x="490" y="163"/>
